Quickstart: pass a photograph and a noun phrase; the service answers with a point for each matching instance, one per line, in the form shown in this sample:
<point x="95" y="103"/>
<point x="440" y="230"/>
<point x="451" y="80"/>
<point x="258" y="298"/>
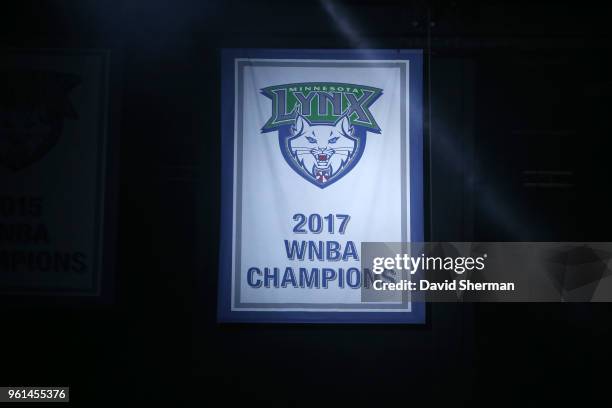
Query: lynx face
<point x="322" y="150"/>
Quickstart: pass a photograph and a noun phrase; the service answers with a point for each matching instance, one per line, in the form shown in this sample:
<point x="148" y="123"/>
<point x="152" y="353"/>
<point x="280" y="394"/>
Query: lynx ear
<point x="300" y="125"/>
<point x="344" y="127"/>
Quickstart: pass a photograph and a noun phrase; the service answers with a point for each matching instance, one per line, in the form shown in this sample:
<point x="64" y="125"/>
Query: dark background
<point x="518" y="125"/>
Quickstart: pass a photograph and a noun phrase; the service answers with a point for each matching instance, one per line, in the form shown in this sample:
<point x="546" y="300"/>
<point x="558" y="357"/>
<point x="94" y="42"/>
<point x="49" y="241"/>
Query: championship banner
<point x="54" y="200"/>
<point x="321" y="151"/>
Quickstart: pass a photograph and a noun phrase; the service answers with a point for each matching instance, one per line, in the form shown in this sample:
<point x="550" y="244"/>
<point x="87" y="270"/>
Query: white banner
<point x="53" y="172"/>
<point x="317" y="158"/>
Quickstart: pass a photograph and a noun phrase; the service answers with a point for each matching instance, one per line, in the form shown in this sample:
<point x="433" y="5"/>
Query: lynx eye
<point x="311" y="139"/>
<point x="333" y="139"/>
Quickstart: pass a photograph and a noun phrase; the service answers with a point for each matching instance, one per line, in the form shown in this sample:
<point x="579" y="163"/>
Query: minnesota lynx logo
<point x="321" y="126"/>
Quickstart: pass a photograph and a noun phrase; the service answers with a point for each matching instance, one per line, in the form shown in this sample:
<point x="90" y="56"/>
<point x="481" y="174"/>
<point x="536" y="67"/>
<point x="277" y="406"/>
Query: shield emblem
<point x="33" y="107"/>
<point x="322" y="154"/>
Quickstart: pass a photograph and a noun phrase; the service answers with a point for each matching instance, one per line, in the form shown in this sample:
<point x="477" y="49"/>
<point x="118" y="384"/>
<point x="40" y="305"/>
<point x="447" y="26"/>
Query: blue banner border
<point x="224" y="312"/>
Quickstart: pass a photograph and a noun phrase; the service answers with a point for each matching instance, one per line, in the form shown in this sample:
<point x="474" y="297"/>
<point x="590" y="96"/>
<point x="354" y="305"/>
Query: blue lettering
<point x="356" y="282"/>
<point x="333" y="251"/>
<point x="350" y="251"/>
<point x="311" y="280"/>
<point x="254" y="283"/>
<point x="296" y="250"/>
<point x="289" y="277"/>
<point x="328" y="275"/>
<point x="270" y="276"/>
<point x="315" y="250"/>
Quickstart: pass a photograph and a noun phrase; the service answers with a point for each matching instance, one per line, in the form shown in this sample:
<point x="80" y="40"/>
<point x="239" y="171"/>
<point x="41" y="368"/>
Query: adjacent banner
<point x="53" y="172"/>
<point x="321" y="151"/>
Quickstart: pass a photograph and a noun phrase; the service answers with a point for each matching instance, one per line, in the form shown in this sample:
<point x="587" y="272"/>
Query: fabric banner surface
<point x="321" y="151"/>
<point x="53" y="172"/>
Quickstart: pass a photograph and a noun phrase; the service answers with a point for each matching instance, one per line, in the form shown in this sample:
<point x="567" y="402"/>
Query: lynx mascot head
<point x="322" y="150"/>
